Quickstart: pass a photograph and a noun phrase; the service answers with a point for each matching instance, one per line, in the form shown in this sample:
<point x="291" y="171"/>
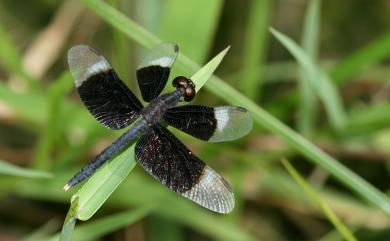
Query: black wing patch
<point x="104" y="94"/>
<point x="153" y="72"/>
<point x="170" y="162"/>
<point x="196" y="120"/>
<point x="212" y="124"/>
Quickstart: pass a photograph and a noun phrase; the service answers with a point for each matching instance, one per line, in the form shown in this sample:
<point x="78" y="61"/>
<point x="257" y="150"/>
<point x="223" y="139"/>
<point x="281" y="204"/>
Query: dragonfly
<point x="157" y="150"/>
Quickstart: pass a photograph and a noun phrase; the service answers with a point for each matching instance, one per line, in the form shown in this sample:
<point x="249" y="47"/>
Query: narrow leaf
<point x="12" y="170"/>
<point x="196" y="40"/>
<point x="310" y="45"/>
<point x="100" y="186"/>
<point x="204" y="74"/>
<point x="363" y="58"/>
<point x="319" y="81"/>
<point x="70" y="222"/>
<point x="344" y="231"/>
<point x="255" y="46"/>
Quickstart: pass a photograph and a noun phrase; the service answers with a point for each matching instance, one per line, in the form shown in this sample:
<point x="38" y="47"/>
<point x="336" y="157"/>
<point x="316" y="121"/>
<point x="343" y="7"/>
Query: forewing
<point x="212" y="124"/>
<point x="173" y="164"/>
<point x="153" y="71"/>
<point x="103" y="93"/>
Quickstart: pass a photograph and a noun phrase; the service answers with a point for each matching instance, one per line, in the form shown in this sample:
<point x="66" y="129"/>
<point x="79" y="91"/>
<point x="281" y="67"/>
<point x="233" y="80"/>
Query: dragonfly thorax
<point x="155" y="111"/>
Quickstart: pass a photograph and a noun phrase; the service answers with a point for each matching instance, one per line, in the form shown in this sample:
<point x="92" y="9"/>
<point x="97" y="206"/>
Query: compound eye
<point x="186" y="86"/>
<point x="179" y="81"/>
<point x="189" y="93"/>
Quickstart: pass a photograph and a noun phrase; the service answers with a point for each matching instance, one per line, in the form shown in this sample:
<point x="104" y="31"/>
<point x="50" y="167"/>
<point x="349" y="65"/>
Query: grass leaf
<point x="204" y="74"/>
<point x="195" y="41"/>
<point x="344" y="231"/>
<point x="70" y="222"/>
<point x="100" y="186"/>
<point x="364" y="57"/>
<point x="12" y="170"/>
<point x="307" y="98"/>
<point x="320" y="82"/>
<point x="255" y="47"/>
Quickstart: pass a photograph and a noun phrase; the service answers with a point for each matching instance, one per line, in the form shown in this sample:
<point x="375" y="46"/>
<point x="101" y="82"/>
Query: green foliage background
<point x="312" y="73"/>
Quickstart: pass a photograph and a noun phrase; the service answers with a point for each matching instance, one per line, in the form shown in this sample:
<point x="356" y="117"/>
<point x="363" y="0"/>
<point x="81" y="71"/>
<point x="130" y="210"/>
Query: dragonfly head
<point x="186" y="86"/>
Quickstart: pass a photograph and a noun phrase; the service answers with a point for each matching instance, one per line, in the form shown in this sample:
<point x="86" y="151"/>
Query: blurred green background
<point x="318" y="89"/>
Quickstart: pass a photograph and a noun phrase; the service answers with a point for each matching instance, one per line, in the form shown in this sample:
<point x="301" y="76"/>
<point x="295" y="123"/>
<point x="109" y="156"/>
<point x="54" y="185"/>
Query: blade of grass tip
<point x="219" y="88"/>
<point x="344" y="231"/>
<point x="70" y="222"/>
<point x="307" y="112"/>
<point x="100" y="186"/>
<point x="204" y="74"/>
<point x="374" y="52"/>
<point x="12" y="170"/>
<point x="255" y="47"/>
<point x="99" y="228"/>
<point x="321" y="83"/>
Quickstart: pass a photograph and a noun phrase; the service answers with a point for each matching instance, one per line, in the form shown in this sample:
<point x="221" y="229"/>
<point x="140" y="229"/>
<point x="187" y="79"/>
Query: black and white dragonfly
<point x="157" y="150"/>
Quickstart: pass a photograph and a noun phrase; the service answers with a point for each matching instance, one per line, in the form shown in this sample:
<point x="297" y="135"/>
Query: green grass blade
<point x="368" y="119"/>
<point x="307" y="98"/>
<point x="103" y="226"/>
<point x="344" y="231"/>
<point x="100" y="186"/>
<point x="70" y="222"/>
<point x="321" y="83"/>
<point x="255" y="47"/>
<point x="230" y="95"/>
<point x="195" y="41"/>
<point x="68" y="229"/>
<point x="311" y="28"/>
<point x="204" y="74"/>
<point x="12" y="170"/>
<point x="361" y="59"/>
